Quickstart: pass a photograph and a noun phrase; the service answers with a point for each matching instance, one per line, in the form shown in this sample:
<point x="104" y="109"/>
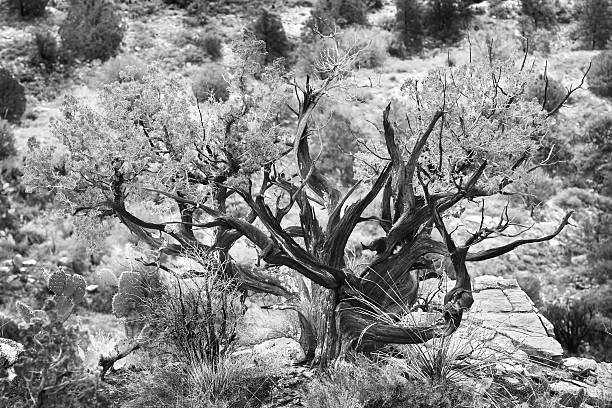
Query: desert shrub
<point x="409" y="24"/>
<point x="7" y="141"/>
<point x="92" y="30"/>
<point x="329" y="13"/>
<point x="549" y="92"/>
<point x="121" y="68"/>
<point x="446" y="19"/>
<point x="50" y="372"/>
<point x="573" y="319"/>
<point x="200" y="46"/>
<point x="540" y="13"/>
<point x="12" y="97"/>
<point x="338" y="145"/>
<point x="595" y="22"/>
<point x="367" y="48"/>
<point x="600" y="76"/>
<point x="29" y="8"/>
<point x="209" y="82"/>
<point x="269" y="28"/>
<point x="47" y="52"/>
<point x="197" y="314"/>
<point x="595" y="163"/>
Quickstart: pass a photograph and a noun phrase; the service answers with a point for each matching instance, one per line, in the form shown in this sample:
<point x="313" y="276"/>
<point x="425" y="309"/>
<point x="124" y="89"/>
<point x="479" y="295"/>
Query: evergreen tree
<point x="269" y="28"/>
<point x="595" y="22"/>
<point x="446" y="19"/>
<point x="409" y="21"/>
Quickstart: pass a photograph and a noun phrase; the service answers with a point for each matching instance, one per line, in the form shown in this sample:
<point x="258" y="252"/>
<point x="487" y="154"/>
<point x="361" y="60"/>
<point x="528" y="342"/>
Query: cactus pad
<point x="57" y="282"/>
<point x="25" y="311"/>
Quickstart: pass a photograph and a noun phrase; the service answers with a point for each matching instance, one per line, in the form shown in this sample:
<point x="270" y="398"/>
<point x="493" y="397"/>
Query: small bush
<point x="269" y="28"/>
<point x="541" y="13"/>
<point x="573" y="320"/>
<point x="595" y="22"/>
<point x="116" y="69"/>
<point x="327" y="14"/>
<point x="549" y="95"/>
<point x="30" y="8"/>
<point x="12" y="97"/>
<point x="7" y="141"/>
<point x="47" y="52"/>
<point x="210" y="82"/>
<point x="600" y="77"/>
<point x="446" y="19"/>
<point x="594" y="163"/>
<point x="200" y="45"/>
<point x="92" y="30"/>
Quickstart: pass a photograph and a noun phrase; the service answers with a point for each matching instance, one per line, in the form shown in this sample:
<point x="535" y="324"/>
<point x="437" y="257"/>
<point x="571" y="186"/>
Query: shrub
<point x="541" y="13"/>
<point x="338" y="145"/>
<point x="595" y="22"/>
<point x="30" y="8"/>
<point x="329" y="13"/>
<point x="7" y="141"/>
<point x="209" y="82"/>
<point x="46" y="49"/>
<point x="12" y="97"/>
<point x="445" y="19"/>
<point x="409" y="23"/>
<point x="600" y="77"/>
<point x="370" y="43"/>
<point x="92" y="30"/>
<point x="549" y="95"/>
<point x="119" y="68"/>
<point x="50" y="372"/>
<point x="595" y="162"/>
<point x="573" y="319"/>
<point x="269" y="28"/>
<point x="201" y="45"/>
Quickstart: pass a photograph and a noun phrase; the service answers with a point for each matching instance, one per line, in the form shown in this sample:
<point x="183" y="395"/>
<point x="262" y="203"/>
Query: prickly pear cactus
<point x="25" y="311"/>
<point x="128" y="303"/>
<point x="69" y="291"/>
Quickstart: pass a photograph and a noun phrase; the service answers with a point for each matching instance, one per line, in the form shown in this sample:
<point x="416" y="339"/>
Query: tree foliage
<point x="92" y="29"/>
<point x="409" y="22"/>
<point x="232" y="167"/>
<point x="595" y="22"/>
<point x="269" y="28"/>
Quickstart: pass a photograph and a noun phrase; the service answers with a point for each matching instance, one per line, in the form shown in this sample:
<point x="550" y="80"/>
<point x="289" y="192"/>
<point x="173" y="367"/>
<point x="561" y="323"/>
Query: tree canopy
<point x="236" y="168"/>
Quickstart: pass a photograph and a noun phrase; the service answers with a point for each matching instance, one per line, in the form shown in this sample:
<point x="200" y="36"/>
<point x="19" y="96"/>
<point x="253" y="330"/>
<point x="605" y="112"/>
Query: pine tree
<point x="269" y="28"/>
<point x="409" y="21"/>
<point x="595" y="22"/>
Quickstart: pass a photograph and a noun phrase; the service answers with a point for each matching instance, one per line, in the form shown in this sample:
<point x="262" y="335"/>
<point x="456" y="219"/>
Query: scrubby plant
<point x="326" y="14"/>
<point x="573" y="320"/>
<point x="595" y="22"/>
<point x="198" y="313"/>
<point x="549" y="92"/>
<point x="50" y="371"/>
<point x="7" y="141"/>
<point x="594" y="162"/>
<point x="92" y="30"/>
<point x="121" y="68"/>
<point x="29" y="8"/>
<point x="445" y="20"/>
<point x="269" y="28"/>
<point x="339" y="143"/>
<point x="409" y="24"/>
<point x="47" y="52"/>
<point x="540" y="13"/>
<point x="129" y="304"/>
<point x="12" y="97"/>
<point x="200" y="46"/>
<point x="600" y="76"/>
<point x="211" y="82"/>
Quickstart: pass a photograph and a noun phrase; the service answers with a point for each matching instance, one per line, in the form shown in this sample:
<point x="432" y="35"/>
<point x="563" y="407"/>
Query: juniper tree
<point x="231" y="171"/>
<point x="595" y="22"/>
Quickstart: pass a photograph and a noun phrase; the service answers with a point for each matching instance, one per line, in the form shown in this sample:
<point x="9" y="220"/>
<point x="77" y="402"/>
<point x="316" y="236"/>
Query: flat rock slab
<point x="505" y="320"/>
